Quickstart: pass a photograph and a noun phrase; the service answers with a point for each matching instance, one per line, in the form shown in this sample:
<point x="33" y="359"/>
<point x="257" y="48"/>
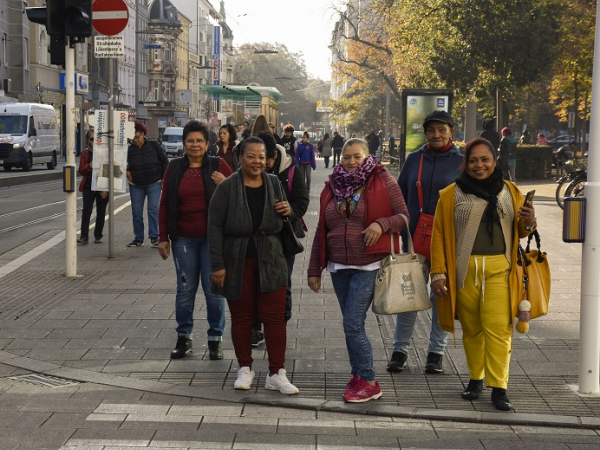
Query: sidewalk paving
<point x="114" y="325"/>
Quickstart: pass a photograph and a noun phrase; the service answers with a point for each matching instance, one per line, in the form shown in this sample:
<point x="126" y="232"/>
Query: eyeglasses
<point x="195" y="141"/>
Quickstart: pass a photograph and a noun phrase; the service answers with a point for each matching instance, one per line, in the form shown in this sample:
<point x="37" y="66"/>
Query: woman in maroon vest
<point x="360" y="204"/>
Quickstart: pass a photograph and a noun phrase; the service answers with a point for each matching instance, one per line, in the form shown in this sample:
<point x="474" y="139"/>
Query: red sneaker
<point x="353" y="382"/>
<point x="351" y="385"/>
<point x="363" y="392"/>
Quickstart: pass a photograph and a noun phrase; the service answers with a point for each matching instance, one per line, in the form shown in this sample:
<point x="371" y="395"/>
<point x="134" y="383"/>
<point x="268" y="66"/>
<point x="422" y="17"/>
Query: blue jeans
<point x="138" y="196"/>
<point x="192" y="263"/>
<point x="405" y="325"/>
<point x="354" y="289"/>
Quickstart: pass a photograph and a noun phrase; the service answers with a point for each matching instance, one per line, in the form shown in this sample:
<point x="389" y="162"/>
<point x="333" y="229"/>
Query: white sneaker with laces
<point x="279" y="382"/>
<point x="244" y="378"/>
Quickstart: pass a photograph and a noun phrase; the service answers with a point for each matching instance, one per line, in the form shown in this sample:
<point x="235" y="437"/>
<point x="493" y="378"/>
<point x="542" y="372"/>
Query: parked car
<point x="561" y="140"/>
<point x="29" y="134"/>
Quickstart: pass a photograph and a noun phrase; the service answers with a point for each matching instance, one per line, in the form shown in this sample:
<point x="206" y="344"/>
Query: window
<point x="168" y="53"/>
<point x="155" y="54"/>
<point x="43" y="49"/>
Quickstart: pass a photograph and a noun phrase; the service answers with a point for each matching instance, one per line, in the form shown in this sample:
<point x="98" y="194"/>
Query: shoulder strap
<point x="419" y="187"/>
<point x="291" y="177"/>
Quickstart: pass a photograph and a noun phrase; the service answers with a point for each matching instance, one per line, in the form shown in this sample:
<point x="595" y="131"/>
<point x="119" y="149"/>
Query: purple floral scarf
<point x="345" y="184"/>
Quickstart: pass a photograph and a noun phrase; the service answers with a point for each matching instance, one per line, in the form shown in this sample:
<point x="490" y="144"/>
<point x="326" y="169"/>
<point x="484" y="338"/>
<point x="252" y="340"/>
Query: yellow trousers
<point x="483" y="309"/>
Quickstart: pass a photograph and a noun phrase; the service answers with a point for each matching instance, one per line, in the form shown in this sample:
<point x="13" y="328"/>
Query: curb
<point x="33" y="178"/>
<point x="369" y="409"/>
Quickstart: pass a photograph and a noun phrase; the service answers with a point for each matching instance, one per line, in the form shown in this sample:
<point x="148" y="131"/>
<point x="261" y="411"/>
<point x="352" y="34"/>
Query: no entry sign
<point x="109" y="17"/>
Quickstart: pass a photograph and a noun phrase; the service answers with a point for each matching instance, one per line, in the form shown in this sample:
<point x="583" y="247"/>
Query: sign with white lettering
<point x="109" y="46"/>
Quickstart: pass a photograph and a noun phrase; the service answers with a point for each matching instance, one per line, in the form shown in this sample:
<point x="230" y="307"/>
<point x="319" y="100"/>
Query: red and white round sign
<point x="109" y="17"/>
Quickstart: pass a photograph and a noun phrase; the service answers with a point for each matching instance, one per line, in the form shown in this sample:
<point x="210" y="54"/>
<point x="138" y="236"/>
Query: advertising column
<point x="416" y="104"/>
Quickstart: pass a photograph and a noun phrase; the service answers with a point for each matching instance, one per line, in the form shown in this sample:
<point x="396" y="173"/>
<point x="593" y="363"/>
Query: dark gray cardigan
<point x="230" y="228"/>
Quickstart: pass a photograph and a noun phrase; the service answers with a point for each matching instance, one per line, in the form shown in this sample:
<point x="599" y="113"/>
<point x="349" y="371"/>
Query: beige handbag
<point x="400" y="285"/>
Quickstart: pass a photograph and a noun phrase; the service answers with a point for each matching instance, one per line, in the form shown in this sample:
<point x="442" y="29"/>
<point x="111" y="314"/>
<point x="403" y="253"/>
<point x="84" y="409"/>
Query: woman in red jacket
<point x="89" y="196"/>
<point x="360" y="205"/>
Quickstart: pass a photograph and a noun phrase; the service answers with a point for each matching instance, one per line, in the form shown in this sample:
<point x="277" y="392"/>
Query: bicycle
<point x="574" y="173"/>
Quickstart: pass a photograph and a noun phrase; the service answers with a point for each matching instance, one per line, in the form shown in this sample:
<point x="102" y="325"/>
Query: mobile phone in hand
<point x="529" y="196"/>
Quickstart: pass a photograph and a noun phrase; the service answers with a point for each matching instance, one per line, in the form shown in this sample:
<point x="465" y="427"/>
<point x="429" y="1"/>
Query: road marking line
<point x="52" y="242"/>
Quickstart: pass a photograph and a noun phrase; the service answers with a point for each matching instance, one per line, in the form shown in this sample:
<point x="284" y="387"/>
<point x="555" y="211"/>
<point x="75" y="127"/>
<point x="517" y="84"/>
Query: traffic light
<point x="78" y="18"/>
<point x="52" y="16"/>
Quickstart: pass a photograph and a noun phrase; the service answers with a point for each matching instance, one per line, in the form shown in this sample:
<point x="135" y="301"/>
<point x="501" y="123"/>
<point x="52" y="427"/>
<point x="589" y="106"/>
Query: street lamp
<point x="265" y="52"/>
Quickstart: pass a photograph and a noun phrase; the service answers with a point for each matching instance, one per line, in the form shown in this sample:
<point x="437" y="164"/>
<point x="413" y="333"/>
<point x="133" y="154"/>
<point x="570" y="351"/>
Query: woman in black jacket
<point x="146" y="165"/>
<point x="248" y="265"/>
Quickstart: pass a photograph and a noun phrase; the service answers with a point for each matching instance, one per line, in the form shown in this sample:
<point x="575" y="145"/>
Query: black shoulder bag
<point x="289" y="241"/>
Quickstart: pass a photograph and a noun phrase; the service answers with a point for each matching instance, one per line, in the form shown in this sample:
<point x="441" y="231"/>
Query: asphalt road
<point x="30" y="210"/>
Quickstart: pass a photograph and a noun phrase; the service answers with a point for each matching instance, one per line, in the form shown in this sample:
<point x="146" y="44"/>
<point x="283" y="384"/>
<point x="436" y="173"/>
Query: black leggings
<point x="89" y="197"/>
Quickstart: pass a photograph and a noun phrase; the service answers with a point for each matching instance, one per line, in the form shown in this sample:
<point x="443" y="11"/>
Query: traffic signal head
<point x="52" y="16"/>
<point x="78" y="18"/>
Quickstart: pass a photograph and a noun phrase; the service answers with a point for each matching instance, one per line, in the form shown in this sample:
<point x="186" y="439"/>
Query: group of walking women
<point x="235" y="243"/>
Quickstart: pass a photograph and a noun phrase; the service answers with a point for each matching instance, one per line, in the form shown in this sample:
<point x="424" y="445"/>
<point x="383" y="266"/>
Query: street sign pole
<point x="111" y="158"/>
<point x="71" y="197"/>
<point x="110" y="17"/>
<point x="589" y="331"/>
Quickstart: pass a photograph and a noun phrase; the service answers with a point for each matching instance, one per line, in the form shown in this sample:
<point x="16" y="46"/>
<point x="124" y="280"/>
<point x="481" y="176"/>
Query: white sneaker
<point x="279" y="382"/>
<point x="244" y="378"/>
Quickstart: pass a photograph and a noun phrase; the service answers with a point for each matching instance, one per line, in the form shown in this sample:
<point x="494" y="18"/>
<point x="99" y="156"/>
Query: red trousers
<point x="269" y="307"/>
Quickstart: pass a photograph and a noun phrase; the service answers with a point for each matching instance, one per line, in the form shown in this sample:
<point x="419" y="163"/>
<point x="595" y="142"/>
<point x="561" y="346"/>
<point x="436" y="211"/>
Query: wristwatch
<point x="532" y="226"/>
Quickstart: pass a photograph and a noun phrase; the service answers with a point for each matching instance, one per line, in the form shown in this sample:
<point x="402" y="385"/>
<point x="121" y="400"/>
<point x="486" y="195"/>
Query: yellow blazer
<point x="443" y="254"/>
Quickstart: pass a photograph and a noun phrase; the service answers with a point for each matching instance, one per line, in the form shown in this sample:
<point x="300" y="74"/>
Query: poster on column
<point x="122" y="128"/>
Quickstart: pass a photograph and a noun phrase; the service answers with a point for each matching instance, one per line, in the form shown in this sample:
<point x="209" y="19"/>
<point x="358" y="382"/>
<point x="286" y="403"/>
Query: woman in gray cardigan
<point x="248" y="265"/>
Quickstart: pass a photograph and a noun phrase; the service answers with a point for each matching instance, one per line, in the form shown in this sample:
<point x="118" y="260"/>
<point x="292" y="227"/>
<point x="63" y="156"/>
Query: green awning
<point x="249" y="93"/>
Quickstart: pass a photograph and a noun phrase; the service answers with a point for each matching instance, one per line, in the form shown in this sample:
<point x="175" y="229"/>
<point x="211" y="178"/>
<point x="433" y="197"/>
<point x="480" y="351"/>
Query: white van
<point x="172" y="140"/>
<point x="29" y="134"/>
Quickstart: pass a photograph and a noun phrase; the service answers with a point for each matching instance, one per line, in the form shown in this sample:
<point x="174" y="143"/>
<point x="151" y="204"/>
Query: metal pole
<point x="71" y="197"/>
<point x="589" y="334"/>
<point x="111" y="157"/>
<point x="388" y="100"/>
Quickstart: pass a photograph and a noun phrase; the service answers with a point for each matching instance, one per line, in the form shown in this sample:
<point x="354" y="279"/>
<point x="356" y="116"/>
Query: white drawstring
<point x="483" y="280"/>
<point x="482" y="276"/>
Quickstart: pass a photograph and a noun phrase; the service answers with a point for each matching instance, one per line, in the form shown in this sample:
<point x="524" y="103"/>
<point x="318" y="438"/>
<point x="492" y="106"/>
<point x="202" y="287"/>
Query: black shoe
<point x="257" y="337"/>
<point x="135" y="243"/>
<point x="154" y="242"/>
<point x="98" y="240"/>
<point x="434" y="363"/>
<point x="397" y="362"/>
<point x="500" y="400"/>
<point x="182" y="348"/>
<point x="473" y="390"/>
<point x="215" y="350"/>
<point x="82" y="240"/>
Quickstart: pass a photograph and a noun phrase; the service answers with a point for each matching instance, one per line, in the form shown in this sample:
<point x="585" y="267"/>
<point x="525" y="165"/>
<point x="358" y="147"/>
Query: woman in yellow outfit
<point x="478" y="223"/>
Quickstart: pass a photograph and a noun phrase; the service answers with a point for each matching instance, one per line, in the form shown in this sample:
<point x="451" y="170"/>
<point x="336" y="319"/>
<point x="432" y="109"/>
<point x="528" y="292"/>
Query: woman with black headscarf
<point x="478" y="223"/>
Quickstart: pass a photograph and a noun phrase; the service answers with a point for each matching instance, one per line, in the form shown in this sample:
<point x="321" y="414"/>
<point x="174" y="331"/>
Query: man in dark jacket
<point x="146" y="165"/>
<point x="337" y="143"/>
<point x="282" y="164"/>
<point x="489" y="133"/>
<point x="372" y="142"/>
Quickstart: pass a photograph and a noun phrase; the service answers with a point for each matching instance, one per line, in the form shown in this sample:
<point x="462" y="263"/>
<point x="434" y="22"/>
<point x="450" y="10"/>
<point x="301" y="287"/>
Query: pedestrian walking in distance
<point x="146" y="165"/>
<point x="89" y="196"/>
